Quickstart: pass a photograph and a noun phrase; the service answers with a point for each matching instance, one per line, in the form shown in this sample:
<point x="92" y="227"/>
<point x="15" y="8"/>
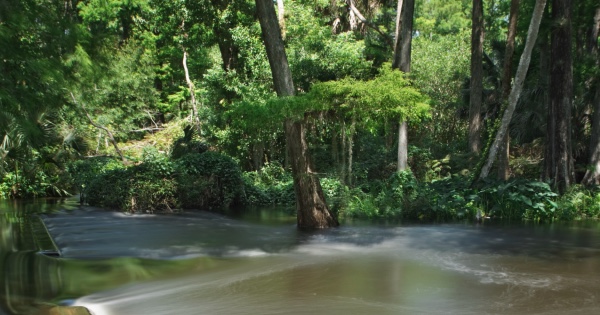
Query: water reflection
<point x="205" y="263"/>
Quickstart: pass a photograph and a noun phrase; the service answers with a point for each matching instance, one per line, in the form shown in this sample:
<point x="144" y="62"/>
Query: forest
<point x="425" y="110"/>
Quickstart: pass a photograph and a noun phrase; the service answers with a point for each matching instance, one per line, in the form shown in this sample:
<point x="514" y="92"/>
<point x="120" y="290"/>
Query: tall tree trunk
<point x="515" y="93"/>
<point x="592" y="176"/>
<point x="312" y="210"/>
<point x="504" y="156"/>
<point x="402" y="61"/>
<point x="476" y="94"/>
<point x="560" y="161"/>
<point x="350" y="134"/>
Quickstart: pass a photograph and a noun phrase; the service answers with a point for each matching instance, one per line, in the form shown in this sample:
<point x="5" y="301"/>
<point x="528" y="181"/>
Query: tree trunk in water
<point x="515" y="93"/>
<point x="504" y="156"/>
<point x="312" y="210"/>
<point x="402" y="61"/>
<point x="560" y="161"/>
<point x="476" y="93"/>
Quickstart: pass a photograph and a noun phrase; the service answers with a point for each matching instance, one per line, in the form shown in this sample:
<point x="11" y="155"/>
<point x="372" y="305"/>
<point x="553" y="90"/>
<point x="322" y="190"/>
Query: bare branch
<point x="385" y="37"/>
<point x="108" y="132"/>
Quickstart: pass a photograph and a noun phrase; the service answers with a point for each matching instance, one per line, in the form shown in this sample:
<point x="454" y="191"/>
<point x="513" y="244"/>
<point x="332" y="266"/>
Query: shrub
<point x="518" y="199"/>
<point x="579" y="202"/>
<point x="271" y="185"/>
<point x="209" y="179"/>
<point x="147" y="187"/>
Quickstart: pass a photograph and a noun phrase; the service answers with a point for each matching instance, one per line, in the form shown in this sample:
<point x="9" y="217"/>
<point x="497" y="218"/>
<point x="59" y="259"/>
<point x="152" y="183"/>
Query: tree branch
<point x="108" y="132"/>
<point x="369" y="24"/>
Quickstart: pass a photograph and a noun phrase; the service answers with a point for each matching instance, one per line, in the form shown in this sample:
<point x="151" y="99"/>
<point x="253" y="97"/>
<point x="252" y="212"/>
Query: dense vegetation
<point x="146" y="105"/>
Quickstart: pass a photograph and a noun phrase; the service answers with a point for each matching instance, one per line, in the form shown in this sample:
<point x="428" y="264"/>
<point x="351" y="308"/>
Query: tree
<point x="503" y="157"/>
<point x="558" y="158"/>
<point x="402" y="61"/>
<point x="312" y="210"/>
<point x="476" y="93"/>
<point x="517" y="87"/>
<point x="592" y="175"/>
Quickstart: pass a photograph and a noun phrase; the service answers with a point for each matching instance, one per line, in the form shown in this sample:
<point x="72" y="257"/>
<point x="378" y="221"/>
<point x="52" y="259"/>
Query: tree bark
<point x="560" y="161"/>
<point x="402" y="61"/>
<point x="195" y="120"/>
<point x="397" y="36"/>
<point x="281" y="17"/>
<point x="229" y="51"/>
<point x="504" y="156"/>
<point x="594" y="32"/>
<point x="312" y="210"/>
<point x="476" y="93"/>
<point x="515" y="93"/>
<point x="592" y="175"/>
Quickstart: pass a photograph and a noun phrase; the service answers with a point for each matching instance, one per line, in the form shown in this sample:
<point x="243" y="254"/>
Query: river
<point x="258" y="263"/>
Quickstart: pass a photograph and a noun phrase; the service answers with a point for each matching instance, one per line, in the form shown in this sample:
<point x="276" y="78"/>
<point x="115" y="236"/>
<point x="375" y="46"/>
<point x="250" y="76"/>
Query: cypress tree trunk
<point x="312" y="210"/>
<point x="476" y="94"/>
<point x="559" y="162"/>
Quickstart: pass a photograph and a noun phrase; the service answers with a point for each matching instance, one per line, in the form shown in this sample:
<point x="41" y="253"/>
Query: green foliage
<point x="209" y="180"/>
<point x="272" y="185"/>
<point x="390" y="94"/>
<point x="439" y="68"/>
<point x="579" y="202"/>
<point x="123" y="97"/>
<point x="391" y="198"/>
<point x="39" y="184"/>
<point x="438" y="18"/>
<point x="157" y="184"/>
<point x="145" y="187"/>
<point x="518" y="199"/>
<point x="84" y="171"/>
<point x="187" y="144"/>
<point x="316" y="54"/>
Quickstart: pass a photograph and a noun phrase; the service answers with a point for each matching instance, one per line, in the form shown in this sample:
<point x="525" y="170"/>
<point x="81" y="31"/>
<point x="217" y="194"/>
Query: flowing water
<point x="206" y="263"/>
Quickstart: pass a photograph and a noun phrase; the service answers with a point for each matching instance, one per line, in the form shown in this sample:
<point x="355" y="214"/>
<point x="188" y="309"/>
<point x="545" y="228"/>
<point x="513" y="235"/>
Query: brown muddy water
<point x="259" y="263"/>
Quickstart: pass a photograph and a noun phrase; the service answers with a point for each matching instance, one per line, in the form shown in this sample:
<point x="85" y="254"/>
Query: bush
<point x="272" y="185"/>
<point x="579" y="202"/>
<point x="210" y="180"/>
<point x="82" y="172"/>
<point x="147" y="187"/>
<point x="518" y="199"/>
